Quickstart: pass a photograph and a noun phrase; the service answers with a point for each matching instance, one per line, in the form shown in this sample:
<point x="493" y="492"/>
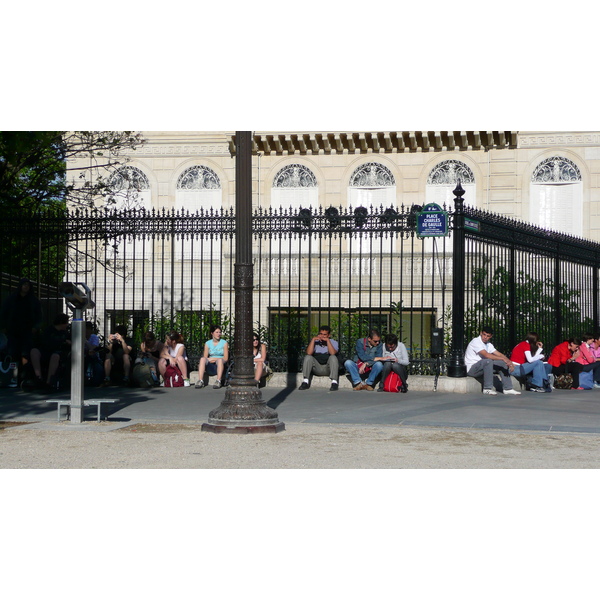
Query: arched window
<point x="372" y="184"/>
<point x="442" y="181"/>
<point x="556" y="196"/>
<point x="198" y="187"/>
<point x="129" y="188"/>
<point x="295" y="186"/>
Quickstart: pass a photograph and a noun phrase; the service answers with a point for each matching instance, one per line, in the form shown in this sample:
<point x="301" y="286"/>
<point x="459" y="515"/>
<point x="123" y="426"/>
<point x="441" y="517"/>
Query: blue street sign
<point x="432" y="221"/>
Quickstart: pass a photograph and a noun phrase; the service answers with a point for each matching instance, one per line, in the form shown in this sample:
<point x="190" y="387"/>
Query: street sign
<point x="432" y="221"/>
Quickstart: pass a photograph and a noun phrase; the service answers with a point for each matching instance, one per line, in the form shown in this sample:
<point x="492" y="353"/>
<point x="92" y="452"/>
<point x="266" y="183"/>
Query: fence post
<point x="457" y="368"/>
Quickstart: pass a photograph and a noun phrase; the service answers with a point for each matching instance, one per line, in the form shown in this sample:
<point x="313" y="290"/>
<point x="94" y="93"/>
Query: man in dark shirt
<point x="321" y="359"/>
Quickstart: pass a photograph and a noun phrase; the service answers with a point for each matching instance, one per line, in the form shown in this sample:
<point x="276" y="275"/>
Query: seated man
<point x="119" y="349"/>
<point x="321" y="359"/>
<point x="481" y="358"/>
<point x="395" y="358"/>
<point x="367" y="359"/>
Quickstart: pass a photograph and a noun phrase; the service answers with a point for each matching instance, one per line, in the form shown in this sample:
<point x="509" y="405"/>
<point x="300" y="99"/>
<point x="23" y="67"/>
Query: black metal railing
<point x="349" y="268"/>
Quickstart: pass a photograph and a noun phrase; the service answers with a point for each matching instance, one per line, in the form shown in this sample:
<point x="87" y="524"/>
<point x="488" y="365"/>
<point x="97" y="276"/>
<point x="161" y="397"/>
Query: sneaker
<point x="490" y="392"/>
<point x="126" y="380"/>
<point x="596" y="386"/>
<point x="217" y="385"/>
<point x="380" y="389"/>
<point x="105" y="383"/>
<point x="578" y="388"/>
<point x="334" y="387"/>
<point x="538" y="389"/>
<point x="368" y="388"/>
<point x="186" y="383"/>
<point x="304" y="385"/>
<point x="199" y="384"/>
<point x="512" y="392"/>
<point x="358" y="387"/>
<point x="13" y="383"/>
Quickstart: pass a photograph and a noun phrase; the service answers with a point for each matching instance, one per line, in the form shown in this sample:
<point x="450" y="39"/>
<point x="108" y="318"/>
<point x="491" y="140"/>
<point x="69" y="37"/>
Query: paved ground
<point x="160" y="428"/>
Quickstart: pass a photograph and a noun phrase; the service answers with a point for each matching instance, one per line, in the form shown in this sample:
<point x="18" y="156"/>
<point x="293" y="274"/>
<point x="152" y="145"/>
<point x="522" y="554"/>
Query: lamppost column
<point x="243" y="409"/>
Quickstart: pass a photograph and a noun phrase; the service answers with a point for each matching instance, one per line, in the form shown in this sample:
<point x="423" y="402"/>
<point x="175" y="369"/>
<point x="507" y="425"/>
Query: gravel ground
<point x="300" y="446"/>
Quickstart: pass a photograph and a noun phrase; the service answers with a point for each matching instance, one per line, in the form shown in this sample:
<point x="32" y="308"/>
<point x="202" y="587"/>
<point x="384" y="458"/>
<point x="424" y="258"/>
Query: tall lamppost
<point x="243" y="409"/>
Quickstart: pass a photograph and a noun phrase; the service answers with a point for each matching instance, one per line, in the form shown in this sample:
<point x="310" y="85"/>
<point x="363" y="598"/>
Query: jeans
<point x="352" y="369"/>
<point x="536" y="369"/>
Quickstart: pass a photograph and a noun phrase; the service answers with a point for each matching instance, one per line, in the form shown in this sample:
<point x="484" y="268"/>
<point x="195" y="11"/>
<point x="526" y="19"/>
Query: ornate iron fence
<point x="349" y="268"/>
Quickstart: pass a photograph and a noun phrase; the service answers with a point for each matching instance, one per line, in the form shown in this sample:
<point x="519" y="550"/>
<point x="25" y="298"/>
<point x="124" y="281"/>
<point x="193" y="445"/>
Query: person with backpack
<point x="173" y="364"/>
<point x="395" y="360"/>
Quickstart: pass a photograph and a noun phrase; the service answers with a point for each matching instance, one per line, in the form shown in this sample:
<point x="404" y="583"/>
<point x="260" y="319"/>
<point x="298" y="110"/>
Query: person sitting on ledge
<point x="395" y="358"/>
<point x="481" y="358"/>
<point x="321" y="359"/>
<point x="367" y="359"/>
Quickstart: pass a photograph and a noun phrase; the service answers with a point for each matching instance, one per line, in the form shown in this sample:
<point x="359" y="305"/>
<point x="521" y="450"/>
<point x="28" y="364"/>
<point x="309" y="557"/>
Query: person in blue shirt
<point x="214" y="359"/>
<point x="367" y="361"/>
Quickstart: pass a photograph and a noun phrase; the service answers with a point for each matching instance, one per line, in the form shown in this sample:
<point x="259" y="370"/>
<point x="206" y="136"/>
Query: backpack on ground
<point x="173" y="377"/>
<point x="392" y="383"/>
<point x="586" y="380"/>
<point x="142" y="375"/>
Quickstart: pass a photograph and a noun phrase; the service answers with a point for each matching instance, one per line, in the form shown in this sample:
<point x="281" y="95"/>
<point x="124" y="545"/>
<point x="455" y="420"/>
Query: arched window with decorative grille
<point x="128" y="188"/>
<point x="372" y="184"/>
<point x="295" y="186"/>
<point x="198" y="187"/>
<point x="556" y="196"/>
<point x="442" y="181"/>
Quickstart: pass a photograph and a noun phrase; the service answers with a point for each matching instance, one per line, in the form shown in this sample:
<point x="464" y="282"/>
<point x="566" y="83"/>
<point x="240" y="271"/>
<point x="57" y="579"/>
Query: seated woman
<point x="587" y="360"/>
<point x="54" y="348"/>
<point x="173" y="353"/>
<point x="563" y="360"/>
<point x="214" y="359"/>
<point x="150" y="350"/>
<point x="528" y="358"/>
<point x="259" y="350"/>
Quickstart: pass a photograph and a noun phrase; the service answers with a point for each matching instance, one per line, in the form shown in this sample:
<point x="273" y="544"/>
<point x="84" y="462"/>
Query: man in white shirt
<point x="481" y="358"/>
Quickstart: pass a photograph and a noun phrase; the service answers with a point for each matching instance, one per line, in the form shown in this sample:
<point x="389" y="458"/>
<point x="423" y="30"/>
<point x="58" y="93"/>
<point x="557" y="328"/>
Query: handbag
<point x="563" y="381"/>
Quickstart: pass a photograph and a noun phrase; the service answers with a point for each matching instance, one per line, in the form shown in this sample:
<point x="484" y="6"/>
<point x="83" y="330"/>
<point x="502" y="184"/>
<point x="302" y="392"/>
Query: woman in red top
<point x="528" y="357"/>
<point x="563" y="360"/>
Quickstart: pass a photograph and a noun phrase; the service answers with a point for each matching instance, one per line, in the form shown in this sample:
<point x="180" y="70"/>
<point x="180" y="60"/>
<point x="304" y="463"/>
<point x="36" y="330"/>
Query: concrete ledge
<point x="416" y="383"/>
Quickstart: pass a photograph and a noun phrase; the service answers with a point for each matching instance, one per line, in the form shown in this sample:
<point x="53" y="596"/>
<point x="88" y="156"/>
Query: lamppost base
<point x="243" y="411"/>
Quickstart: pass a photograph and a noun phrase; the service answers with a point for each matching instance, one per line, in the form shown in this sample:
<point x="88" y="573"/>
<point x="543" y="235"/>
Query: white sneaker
<point x="186" y="383"/>
<point x="490" y="392"/>
<point x="512" y="392"/>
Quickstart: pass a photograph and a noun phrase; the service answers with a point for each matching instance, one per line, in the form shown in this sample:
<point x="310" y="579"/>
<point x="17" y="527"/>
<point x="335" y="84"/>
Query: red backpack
<point x="173" y="377"/>
<point x="392" y="383"/>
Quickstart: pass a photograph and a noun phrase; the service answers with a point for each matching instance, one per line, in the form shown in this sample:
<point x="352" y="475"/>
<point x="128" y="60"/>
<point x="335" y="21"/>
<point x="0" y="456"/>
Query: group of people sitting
<point x="373" y="361"/>
<point x="529" y="361"/>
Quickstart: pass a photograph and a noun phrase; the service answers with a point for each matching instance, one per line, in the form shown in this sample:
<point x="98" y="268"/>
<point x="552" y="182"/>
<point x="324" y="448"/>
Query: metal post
<point x="457" y="368"/>
<point x="77" y="345"/>
<point x="243" y="410"/>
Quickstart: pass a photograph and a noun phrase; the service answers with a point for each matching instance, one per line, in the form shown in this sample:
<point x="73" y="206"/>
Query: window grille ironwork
<point x="198" y="177"/>
<point x="295" y="176"/>
<point x="556" y="169"/>
<point x="372" y="175"/>
<point x="129" y="178"/>
<point x="448" y="172"/>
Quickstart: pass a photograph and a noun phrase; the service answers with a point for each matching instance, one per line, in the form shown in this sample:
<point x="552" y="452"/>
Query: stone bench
<point x="416" y="383"/>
